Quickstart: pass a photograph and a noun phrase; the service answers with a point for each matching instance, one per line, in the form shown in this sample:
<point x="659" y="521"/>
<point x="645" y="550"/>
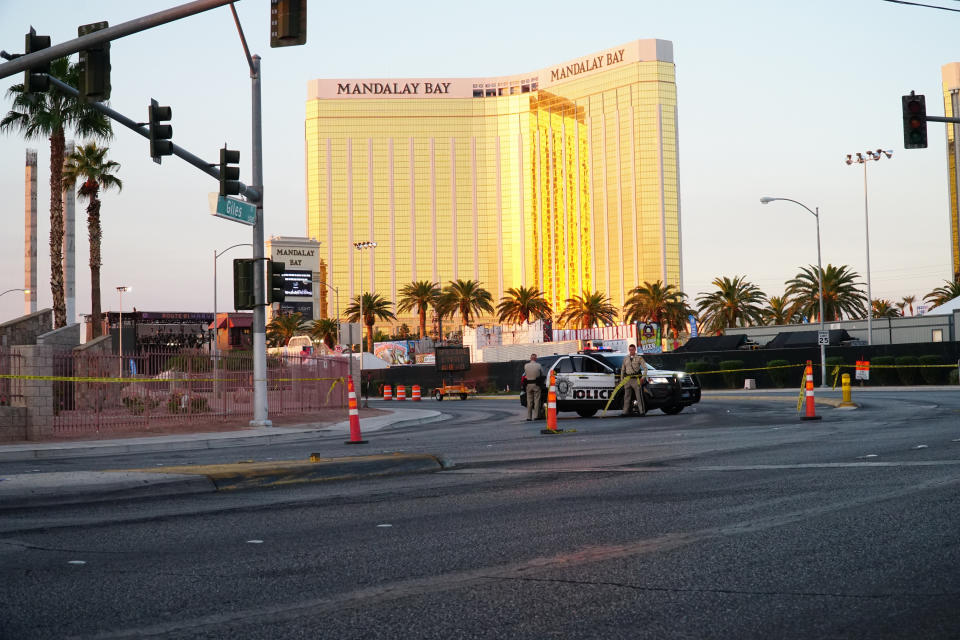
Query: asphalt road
<point x="735" y="520"/>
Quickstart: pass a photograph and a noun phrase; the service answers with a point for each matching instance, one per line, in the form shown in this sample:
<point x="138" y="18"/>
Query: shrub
<point x="711" y="381"/>
<point x="732" y="379"/>
<point x="180" y="402"/>
<point x="882" y="371"/>
<point x="953" y="377"/>
<point x="932" y="374"/>
<point x="907" y="369"/>
<point x="138" y="404"/>
<point x="780" y="377"/>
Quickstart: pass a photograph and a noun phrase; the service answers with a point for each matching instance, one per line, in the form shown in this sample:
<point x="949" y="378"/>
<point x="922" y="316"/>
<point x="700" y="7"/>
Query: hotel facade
<point x="565" y="179"/>
<point x="951" y="109"/>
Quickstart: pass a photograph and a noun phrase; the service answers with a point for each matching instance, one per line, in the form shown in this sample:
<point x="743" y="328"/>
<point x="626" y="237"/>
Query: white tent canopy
<point x="946" y="308"/>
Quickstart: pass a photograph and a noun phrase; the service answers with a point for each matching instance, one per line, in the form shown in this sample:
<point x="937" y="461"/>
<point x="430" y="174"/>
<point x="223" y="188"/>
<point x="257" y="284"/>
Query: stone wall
<point x="26" y="329"/>
<point x="37" y="394"/>
<point x="66" y="337"/>
<point x="13" y="424"/>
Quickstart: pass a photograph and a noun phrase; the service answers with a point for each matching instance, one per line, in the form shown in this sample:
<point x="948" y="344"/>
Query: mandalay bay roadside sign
<point x="232" y="209"/>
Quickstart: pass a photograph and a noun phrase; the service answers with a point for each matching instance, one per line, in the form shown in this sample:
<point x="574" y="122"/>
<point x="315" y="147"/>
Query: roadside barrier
<point x="387" y="392"/>
<point x="415" y="393"/>
<point x="355" y="437"/>
<point x="551" y="407"/>
<point x="811" y="404"/>
<point x="846" y="402"/>
<point x="401" y="392"/>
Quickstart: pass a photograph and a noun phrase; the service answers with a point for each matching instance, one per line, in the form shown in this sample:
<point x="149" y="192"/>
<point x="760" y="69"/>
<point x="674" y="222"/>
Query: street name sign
<point x="232" y="209"/>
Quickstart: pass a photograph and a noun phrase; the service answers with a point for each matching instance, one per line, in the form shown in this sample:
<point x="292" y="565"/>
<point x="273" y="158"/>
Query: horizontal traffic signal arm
<point x="250" y="193"/>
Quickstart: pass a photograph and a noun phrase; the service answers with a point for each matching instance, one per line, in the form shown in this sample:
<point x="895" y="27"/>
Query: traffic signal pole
<point x="260" y="418"/>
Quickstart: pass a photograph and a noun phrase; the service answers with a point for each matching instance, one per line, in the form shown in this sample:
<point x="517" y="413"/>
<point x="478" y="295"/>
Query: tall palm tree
<point x="50" y="115"/>
<point x="443" y="306"/>
<point x="841" y="292"/>
<point x="587" y="310"/>
<point x="420" y="296"/>
<point x="283" y="327"/>
<point x="908" y="301"/>
<point x="375" y="307"/>
<point x="737" y="302"/>
<point x="883" y="308"/>
<point x="521" y="304"/>
<point x="943" y="294"/>
<point x="88" y="163"/>
<point x="469" y="298"/>
<point x="652" y="302"/>
<point x="324" y="330"/>
<point x="780" y="310"/>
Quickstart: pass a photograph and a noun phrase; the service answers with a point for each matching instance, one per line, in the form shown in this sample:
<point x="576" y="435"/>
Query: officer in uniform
<point x="634" y="370"/>
<point x="533" y="371"/>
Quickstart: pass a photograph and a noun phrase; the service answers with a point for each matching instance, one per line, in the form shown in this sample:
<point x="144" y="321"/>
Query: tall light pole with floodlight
<point x="864" y="158"/>
<point x="823" y="348"/>
<point x="121" y="291"/>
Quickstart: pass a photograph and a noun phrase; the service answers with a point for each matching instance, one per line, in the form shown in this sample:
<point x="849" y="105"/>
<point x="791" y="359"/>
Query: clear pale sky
<point x="771" y="97"/>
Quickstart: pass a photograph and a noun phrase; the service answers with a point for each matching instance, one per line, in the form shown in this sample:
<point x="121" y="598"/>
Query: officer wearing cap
<point x="533" y="372"/>
<point x="634" y="370"/>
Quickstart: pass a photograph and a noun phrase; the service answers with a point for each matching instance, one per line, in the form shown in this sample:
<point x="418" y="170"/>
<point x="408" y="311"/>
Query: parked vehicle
<point x="587" y="380"/>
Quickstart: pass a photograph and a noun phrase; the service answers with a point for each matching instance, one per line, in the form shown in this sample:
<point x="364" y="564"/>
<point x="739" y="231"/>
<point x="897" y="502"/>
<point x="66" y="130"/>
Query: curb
<point x="75" y="487"/>
<point x="218" y="440"/>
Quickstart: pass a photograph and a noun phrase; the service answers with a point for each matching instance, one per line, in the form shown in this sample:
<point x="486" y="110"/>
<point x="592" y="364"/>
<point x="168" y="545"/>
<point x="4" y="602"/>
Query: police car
<point x="586" y="381"/>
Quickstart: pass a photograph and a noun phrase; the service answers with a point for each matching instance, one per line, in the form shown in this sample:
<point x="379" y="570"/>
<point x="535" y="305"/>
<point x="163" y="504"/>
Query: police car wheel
<point x="463" y="396"/>
<point x="587" y="413"/>
<point x="672" y="410"/>
<point x="438" y="396"/>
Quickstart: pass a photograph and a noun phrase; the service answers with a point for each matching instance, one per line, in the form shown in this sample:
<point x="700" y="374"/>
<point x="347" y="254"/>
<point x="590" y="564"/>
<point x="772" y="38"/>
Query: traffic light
<point x="288" y="22"/>
<point x="229" y="175"/>
<point x="160" y="134"/>
<point x="275" y="283"/>
<point x="35" y="78"/>
<point x="243" y="293"/>
<point x="94" y="67"/>
<point x="914" y="121"/>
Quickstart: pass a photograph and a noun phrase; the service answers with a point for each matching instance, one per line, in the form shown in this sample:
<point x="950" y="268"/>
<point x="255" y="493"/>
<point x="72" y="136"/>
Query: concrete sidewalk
<point x="212" y="440"/>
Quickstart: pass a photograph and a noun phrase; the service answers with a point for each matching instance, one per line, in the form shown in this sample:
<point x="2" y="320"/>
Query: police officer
<point x="534" y="372"/>
<point x="634" y="370"/>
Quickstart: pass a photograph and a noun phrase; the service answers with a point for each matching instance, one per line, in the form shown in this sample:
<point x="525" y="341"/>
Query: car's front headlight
<point x="659" y="380"/>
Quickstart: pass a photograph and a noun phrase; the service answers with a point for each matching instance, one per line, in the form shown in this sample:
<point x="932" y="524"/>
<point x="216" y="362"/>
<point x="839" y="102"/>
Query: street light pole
<point x="336" y="294"/>
<point x="823" y="347"/>
<point x="10" y="290"/>
<point x="121" y="291"/>
<point x="863" y="158"/>
<point x="360" y="246"/>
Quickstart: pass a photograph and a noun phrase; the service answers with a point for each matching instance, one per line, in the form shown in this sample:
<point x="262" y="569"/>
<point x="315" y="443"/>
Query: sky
<point x="772" y="96"/>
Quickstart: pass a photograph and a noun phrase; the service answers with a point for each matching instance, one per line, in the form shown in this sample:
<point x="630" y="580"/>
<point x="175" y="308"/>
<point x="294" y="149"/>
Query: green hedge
<point x="933" y="374"/>
<point x="781" y="377"/>
<point x="908" y="370"/>
<point x="954" y="374"/>
<point x="709" y="381"/>
<point x="732" y="379"/>
<point x="883" y="376"/>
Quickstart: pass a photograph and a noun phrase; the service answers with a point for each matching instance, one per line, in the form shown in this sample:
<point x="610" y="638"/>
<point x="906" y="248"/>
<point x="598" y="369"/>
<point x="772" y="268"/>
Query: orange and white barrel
<point x="401" y="392"/>
<point x="415" y="393"/>
<point x="387" y="392"/>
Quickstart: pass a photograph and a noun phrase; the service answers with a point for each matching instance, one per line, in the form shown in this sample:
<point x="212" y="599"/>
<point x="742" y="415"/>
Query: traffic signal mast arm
<point x="249" y="193"/>
<point x="941" y="119"/>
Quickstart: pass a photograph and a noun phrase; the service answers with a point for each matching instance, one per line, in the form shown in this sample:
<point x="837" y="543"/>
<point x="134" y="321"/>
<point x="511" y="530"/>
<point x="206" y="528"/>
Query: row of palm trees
<point x="735" y="302"/>
<point x="51" y="115"/>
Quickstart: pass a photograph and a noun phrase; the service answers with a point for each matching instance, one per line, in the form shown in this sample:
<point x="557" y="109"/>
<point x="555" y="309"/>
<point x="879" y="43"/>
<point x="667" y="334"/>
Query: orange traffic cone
<point x="551" y="407"/>
<point x="355" y="437"/>
<point x="811" y="403"/>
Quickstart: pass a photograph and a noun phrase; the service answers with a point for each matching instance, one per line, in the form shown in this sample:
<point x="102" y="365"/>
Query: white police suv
<point x="587" y="380"/>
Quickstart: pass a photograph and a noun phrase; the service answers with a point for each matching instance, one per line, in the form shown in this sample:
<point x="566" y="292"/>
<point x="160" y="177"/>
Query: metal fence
<point x="94" y="393"/>
<point x="11" y="385"/>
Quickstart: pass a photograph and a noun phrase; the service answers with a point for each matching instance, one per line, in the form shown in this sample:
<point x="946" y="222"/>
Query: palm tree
<point x="780" y="310"/>
<point x="283" y="327"/>
<point x="50" y="115"/>
<point x="841" y="293"/>
<point x="736" y="302"/>
<point x="419" y="295"/>
<point x="521" y="304"/>
<point x="324" y="330"/>
<point x="88" y="163"/>
<point x="908" y="301"/>
<point x="375" y="307"/>
<point x="587" y="310"/>
<point x="883" y="308"/>
<point x="946" y="293"/>
<point x="900" y="307"/>
<point x="443" y="306"/>
<point x="469" y="299"/>
<point x="649" y="302"/>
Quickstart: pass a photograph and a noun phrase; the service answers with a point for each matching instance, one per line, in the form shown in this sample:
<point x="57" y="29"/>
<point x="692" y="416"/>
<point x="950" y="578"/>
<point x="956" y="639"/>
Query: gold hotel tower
<point x="565" y="179"/>
<point x="951" y="109"/>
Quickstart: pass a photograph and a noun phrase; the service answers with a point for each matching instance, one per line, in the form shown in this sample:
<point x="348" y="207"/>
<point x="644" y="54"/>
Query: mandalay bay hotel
<point x="565" y="179"/>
